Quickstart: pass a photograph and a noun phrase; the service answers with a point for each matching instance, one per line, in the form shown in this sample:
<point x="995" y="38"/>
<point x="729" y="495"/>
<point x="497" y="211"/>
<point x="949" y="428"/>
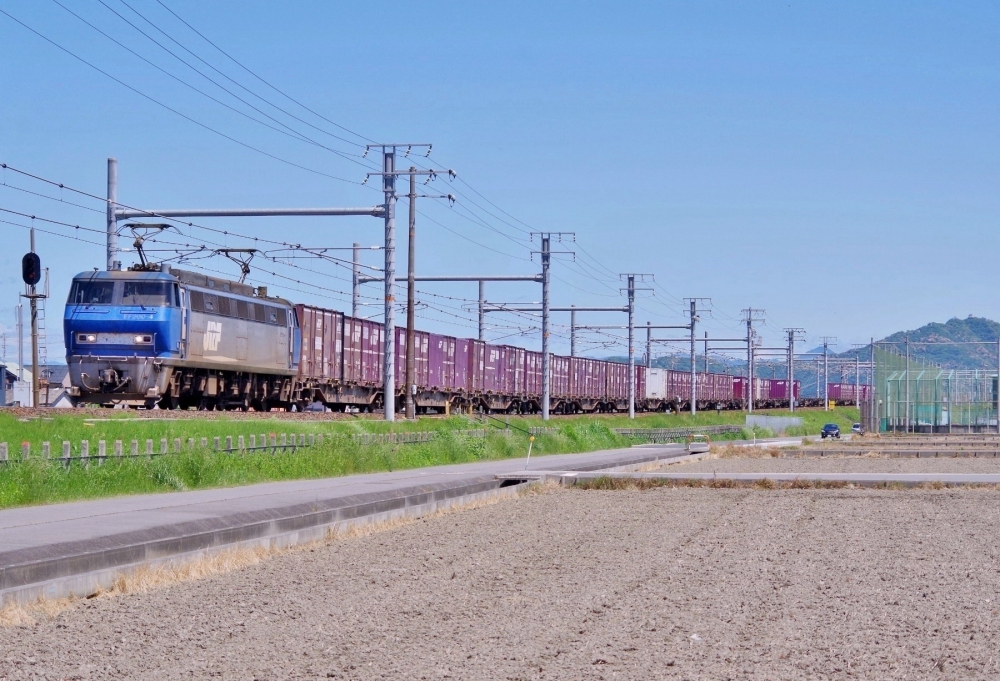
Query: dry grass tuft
<point x="737" y="452"/>
<point x="147" y="578"/>
<point x="28" y="614"/>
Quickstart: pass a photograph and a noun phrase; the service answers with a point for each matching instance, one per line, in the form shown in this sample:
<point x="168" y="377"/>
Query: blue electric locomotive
<point x="178" y="339"/>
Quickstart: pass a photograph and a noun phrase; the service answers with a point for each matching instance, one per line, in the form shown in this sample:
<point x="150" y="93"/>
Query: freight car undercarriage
<point x="195" y="388"/>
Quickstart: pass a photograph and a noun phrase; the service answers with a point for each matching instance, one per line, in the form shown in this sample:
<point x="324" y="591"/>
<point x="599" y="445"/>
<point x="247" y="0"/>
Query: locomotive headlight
<point x="86" y="338"/>
<point x="143" y="339"/>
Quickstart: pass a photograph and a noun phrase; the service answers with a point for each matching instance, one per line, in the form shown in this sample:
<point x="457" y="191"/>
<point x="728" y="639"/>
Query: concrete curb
<point x="858" y="479"/>
<point x="565" y="477"/>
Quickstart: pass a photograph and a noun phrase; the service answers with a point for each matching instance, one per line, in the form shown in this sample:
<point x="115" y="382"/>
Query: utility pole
<point x="630" y="290"/>
<point x="482" y="303"/>
<point x="546" y="256"/>
<point x="411" y="387"/>
<point x="693" y="311"/>
<point x="389" y="174"/>
<point x="113" y="263"/>
<point x="355" y="283"/>
<point x="546" y="369"/>
<point x="572" y="332"/>
<point x="649" y="345"/>
<point x="791" y="365"/>
<point x="631" y="346"/>
<point x="750" y="315"/>
<point x="826" y="371"/>
<point x="694" y="371"/>
<point x="706" y="352"/>
<point x="389" y="324"/>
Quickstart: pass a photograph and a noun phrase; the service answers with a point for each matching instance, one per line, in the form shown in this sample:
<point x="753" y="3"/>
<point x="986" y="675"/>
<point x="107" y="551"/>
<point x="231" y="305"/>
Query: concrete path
<point x="75" y="548"/>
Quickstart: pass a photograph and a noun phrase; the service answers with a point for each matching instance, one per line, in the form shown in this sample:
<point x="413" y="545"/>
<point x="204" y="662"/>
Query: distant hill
<point x="810" y="374"/>
<point x="949" y="356"/>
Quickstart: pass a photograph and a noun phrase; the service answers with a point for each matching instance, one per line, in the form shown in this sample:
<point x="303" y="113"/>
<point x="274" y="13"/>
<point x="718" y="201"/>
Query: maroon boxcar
<point x="477" y="365"/>
<point x="678" y="385"/>
<point x="533" y="373"/>
<point x="616" y="389"/>
<point x="441" y="372"/>
<point x="491" y="378"/>
<point x="421" y="347"/>
<point x="322" y="350"/>
<point x="463" y="364"/>
<point x="846" y="392"/>
<point x="587" y="378"/>
<point x="506" y="370"/>
<point x="597" y="384"/>
<point x="517" y="363"/>
<point x="558" y="376"/>
<point x="362" y="352"/>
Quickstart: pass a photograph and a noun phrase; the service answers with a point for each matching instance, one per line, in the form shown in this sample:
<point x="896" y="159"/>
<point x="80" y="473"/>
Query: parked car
<point x="857" y="429"/>
<point x="830" y="430"/>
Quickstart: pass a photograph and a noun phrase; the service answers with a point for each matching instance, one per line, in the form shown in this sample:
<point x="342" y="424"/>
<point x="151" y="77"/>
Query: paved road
<point x="76" y="547"/>
<point x="35" y="526"/>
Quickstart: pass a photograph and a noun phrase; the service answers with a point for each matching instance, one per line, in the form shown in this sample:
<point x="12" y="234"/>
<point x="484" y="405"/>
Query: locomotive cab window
<point x="148" y="293"/>
<point x="91" y="293"/>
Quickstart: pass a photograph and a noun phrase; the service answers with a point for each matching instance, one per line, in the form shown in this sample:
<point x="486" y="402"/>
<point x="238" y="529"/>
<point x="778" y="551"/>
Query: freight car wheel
<point x="169" y="402"/>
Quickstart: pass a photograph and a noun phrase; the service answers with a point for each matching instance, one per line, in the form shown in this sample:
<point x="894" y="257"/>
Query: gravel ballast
<point x="572" y="584"/>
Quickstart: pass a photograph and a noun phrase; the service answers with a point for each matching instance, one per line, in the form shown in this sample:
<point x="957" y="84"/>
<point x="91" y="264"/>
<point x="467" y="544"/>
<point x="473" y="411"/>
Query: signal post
<point x="31" y="273"/>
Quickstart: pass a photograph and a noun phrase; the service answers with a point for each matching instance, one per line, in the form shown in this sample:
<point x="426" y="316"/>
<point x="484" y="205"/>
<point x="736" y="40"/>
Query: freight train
<point x="178" y="339"/>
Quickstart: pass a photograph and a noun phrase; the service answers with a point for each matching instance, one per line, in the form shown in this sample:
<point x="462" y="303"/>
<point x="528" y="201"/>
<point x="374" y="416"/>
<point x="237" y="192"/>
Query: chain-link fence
<point x="913" y="396"/>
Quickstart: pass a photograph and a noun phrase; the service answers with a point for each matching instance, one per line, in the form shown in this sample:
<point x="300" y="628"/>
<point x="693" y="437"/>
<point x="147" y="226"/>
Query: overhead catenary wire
<point x="52" y="198"/>
<point x="173" y="110"/>
<point x="289" y="131"/>
<point x="233" y="80"/>
<point x="46" y="231"/>
<point x="151" y="214"/>
<point x="262" y="80"/>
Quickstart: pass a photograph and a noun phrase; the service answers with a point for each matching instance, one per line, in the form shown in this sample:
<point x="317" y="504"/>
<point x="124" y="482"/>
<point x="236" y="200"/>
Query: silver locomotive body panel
<point x="238" y="345"/>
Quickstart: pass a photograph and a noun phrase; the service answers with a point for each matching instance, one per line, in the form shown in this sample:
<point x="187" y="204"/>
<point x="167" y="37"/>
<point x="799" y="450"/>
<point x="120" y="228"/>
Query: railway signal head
<point x="31" y="269"/>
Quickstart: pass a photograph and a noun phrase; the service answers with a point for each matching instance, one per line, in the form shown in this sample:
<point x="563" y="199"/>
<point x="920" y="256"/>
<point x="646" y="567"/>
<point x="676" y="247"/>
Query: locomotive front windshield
<point x="91" y="293"/>
<point x="149" y="294"/>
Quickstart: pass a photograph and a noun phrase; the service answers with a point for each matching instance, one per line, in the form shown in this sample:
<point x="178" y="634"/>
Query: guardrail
<point x="412" y="437"/>
<point x="286" y="442"/>
<point x="664" y="434"/>
<point x="539" y="430"/>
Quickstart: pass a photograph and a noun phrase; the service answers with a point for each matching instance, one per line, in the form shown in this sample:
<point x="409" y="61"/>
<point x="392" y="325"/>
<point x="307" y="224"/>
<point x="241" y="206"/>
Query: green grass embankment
<point x="37" y="481"/>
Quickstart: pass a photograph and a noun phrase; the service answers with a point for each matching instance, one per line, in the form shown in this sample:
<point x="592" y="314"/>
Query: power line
<point x="280" y="92"/>
<point x="290" y="132"/>
<point x="45" y="231"/>
<point x="227" y="77"/>
<point x="148" y="213"/>
<point x="173" y="110"/>
<point x="52" y="198"/>
<point x="470" y="240"/>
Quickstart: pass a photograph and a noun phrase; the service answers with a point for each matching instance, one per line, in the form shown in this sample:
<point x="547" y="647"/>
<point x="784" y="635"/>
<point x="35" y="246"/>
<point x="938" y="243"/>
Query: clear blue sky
<point x="832" y="163"/>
